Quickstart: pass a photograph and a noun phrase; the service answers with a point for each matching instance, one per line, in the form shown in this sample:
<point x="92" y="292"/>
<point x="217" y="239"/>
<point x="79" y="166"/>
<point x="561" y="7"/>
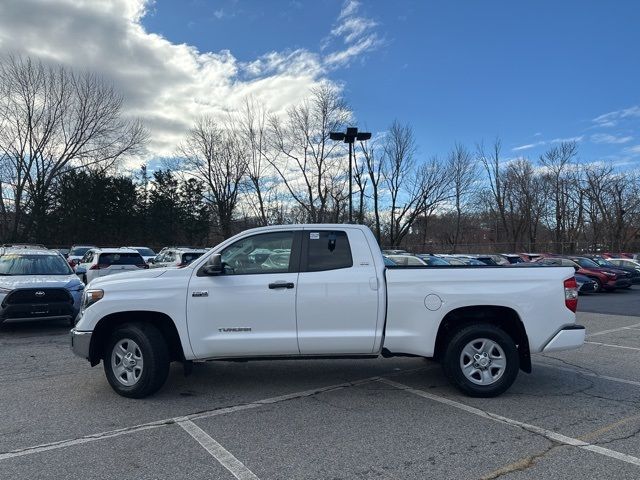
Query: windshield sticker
<point x="314" y="236"/>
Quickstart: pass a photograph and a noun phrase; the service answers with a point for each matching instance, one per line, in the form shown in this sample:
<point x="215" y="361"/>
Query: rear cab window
<point x="123" y="258"/>
<point x="326" y="250"/>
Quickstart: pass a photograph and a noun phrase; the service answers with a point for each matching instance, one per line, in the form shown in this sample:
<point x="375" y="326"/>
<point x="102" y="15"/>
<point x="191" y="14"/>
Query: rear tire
<point x="136" y="360"/>
<point x="598" y="285"/>
<point x="481" y="360"/>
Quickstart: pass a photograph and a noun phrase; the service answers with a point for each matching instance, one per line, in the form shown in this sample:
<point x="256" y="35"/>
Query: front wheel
<point x="481" y="360"/>
<point x="136" y="360"/>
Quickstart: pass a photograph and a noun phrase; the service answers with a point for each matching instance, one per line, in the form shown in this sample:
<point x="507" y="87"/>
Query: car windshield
<point x="25" y="264"/>
<point x="120" y="259"/>
<point x="146" y="252"/>
<point x="602" y="262"/>
<point x="586" y="263"/>
<point x="79" y="251"/>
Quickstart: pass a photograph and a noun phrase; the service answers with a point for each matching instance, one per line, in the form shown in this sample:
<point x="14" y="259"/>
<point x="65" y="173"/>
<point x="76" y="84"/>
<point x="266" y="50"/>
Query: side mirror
<point x="576" y="268"/>
<point x="151" y="260"/>
<point x="213" y="265"/>
<point x="81" y="270"/>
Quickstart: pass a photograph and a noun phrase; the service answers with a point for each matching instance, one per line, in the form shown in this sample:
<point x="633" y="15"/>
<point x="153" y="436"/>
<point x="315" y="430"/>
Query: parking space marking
<point x="195" y="416"/>
<point x="614" y="346"/>
<point x="549" y="434"/>
<point x="589" y="374"/>
<point x="613" y="330"/>
<point x="217" y="451"/>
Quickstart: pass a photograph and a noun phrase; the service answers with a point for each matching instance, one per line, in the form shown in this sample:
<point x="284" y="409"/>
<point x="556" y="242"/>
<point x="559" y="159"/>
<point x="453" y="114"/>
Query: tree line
<point x="65" y="141"/>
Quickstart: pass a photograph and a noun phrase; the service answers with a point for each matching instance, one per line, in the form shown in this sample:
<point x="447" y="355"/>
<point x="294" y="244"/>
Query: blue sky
<point x="530" y="72"/>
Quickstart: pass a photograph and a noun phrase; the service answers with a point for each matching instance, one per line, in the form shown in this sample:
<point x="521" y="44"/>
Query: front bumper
<point x="566" y="339"/>
<point x="80" y="343"/>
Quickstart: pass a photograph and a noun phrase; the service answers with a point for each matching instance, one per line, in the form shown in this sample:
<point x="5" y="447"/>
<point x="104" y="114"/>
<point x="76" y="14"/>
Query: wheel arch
<point x="503" y="317"/>
<point x="161" y="321"/>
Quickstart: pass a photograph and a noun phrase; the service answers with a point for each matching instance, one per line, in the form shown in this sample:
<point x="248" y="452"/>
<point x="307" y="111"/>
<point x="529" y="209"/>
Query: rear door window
<point x="327" y="250"/>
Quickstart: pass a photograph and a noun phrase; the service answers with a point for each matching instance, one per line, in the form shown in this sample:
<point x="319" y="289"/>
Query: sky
<point x="532" y="73"/>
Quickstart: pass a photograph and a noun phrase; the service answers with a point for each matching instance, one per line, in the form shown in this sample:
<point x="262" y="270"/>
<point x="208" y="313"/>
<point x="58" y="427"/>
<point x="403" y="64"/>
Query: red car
<point x="607" y="278"/>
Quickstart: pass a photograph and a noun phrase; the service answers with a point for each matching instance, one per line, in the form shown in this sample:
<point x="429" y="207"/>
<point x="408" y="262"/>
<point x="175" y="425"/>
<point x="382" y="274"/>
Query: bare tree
<point x="55" y="120"/>
<point x="414" y="189"/>
<point x="373" y="166"/>
<point x="217" y="157"/>
<point x="463" y="171"/>
<point x="302" y="154"/>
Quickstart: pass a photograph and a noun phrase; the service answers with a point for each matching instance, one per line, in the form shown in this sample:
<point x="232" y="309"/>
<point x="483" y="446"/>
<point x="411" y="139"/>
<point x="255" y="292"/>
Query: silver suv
<point x="37" y="284"/>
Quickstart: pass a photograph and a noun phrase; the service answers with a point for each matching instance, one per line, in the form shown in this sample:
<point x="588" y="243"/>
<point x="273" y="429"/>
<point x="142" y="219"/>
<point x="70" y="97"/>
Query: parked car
<point x="76" y="252"/>
<point x="613" y="278"/>
<point x="407" y="260"/>
<point x="99" y="262"/>
<point x="146" y="252"/>
<point x="606" y="263"/>
<point x="625" y="262"/>
<point x="512" y="258"/>
<point x="177" y="257"/>
<point x="333" y="297"/>
<point x="585" y="284"/>
<point x="460" y="260"/>
<point x="37" y="284"/>
<point x="432" y="260"/>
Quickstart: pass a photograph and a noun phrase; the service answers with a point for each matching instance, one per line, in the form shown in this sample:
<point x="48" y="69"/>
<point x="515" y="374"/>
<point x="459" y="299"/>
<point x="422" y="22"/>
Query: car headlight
<point x="91" y="296"/>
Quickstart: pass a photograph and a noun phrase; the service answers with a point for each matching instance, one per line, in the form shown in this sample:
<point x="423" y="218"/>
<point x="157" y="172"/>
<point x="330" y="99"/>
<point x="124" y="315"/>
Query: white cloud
<point x="612" y="118"/>
<point x="529" y="146"/>
<point x="357" y="33"/>
<point x="607" y="138"/>
<point x="165" y="84"/>
<point x="634" y="150"/>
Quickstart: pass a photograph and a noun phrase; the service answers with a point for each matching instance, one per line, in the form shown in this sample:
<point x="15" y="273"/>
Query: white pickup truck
<point x="323" y="291"/>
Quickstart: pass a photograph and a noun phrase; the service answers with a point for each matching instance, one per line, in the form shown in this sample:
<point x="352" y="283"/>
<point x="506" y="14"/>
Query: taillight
<point x="571" y="294"/>
<point x="98" y="266"/>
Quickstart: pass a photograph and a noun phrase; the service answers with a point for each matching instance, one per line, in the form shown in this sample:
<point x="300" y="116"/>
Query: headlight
<point x="91" y="296"/>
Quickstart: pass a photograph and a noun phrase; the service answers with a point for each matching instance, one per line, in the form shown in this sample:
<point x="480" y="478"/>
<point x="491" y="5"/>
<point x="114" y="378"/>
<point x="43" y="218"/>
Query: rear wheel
<point x="481" y="360"/>
<point x="598" y="288"/>
<point x="136" y="360"/>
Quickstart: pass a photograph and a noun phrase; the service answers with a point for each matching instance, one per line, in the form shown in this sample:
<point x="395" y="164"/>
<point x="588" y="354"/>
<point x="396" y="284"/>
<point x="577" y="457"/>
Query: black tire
<point x="84" y="279"/>
<point x="153" y="350"/>
<point x="598" y="284"/>
<point x="453" y="359"/>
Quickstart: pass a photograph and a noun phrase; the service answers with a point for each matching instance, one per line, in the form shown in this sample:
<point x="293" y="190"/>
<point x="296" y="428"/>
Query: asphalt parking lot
<point x="576" y="416"/>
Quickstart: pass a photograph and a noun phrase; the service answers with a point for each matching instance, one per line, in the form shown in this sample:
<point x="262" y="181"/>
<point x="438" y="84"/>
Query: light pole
<point x="350" y="136"/>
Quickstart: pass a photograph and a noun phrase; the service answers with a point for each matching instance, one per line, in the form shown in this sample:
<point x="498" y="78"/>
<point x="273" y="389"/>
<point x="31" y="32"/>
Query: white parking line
<point x="613" y="330"/>
<point x="614" y="346"/>
<point x="217" y="451"/>
<point x="549" y="434"/>
<point x="206" y="414"/>
<point x="588" y="374"/>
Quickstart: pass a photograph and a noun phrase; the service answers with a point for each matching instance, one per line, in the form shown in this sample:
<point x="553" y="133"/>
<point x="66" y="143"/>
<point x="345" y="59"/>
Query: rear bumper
<point x="566" y="339"/>
<point x="80" y="343"/>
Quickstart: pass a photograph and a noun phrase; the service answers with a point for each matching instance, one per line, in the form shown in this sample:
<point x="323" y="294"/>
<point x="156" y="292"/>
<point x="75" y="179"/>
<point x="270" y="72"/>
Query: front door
<point x="249" y="309"/>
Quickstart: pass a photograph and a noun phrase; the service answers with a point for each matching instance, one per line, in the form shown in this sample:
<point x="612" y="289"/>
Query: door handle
<point x="275" y="285"/>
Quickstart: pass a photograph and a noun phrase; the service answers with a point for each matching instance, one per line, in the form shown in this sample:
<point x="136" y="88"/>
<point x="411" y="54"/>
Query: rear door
<point x="337" y="299"/>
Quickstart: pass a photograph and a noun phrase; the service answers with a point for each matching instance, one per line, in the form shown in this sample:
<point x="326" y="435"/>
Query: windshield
<point x="602" y="262"/>
<point x="19" y="264"/>
<point x="586" y="263"/>
<point x="79" y="251"/>
<point x="146" y="252"/>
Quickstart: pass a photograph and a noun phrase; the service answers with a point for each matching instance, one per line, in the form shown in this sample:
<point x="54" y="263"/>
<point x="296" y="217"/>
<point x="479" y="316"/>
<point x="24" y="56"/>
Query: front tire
<point x="481" y="360"/>
<point x="136" y="360"/>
